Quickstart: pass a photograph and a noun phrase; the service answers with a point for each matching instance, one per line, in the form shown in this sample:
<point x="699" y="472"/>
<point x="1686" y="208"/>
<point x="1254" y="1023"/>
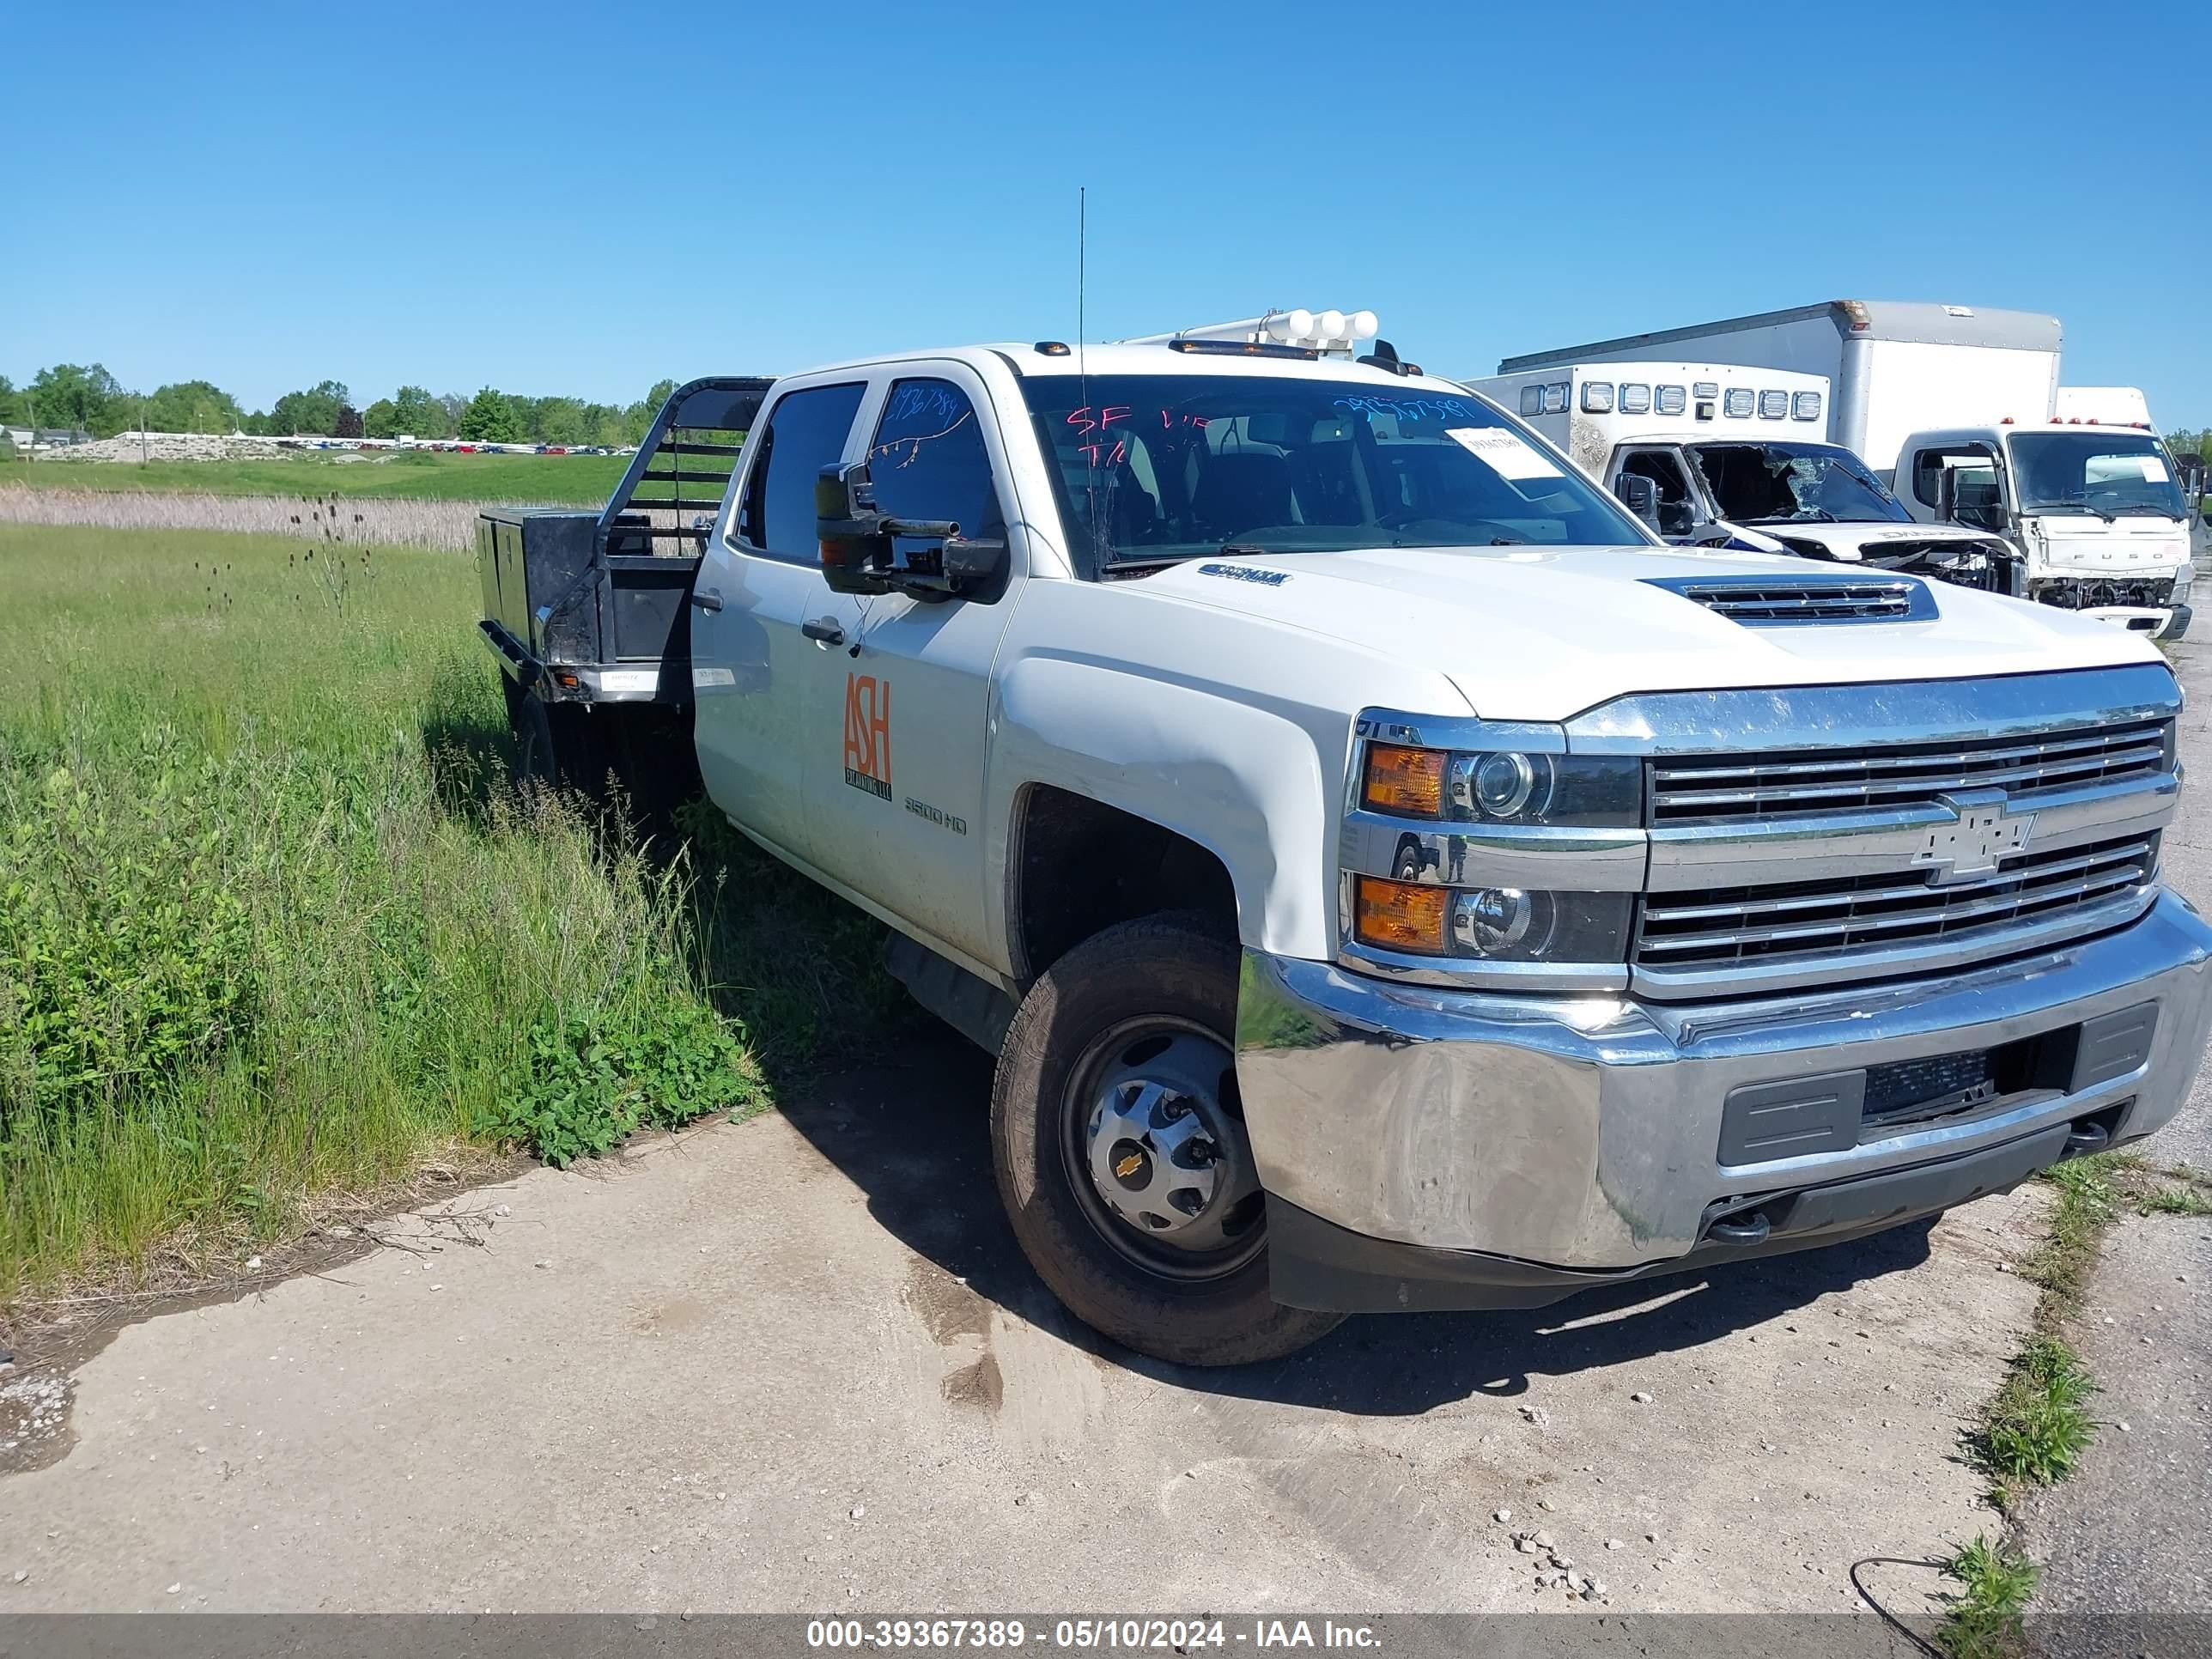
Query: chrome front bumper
<point x="1585" y="1134"/>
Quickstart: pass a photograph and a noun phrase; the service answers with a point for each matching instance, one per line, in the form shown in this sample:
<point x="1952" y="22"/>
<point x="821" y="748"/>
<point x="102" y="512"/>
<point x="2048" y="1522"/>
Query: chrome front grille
<point x="1785" y="922"/>
<point x="1724" y="787"/>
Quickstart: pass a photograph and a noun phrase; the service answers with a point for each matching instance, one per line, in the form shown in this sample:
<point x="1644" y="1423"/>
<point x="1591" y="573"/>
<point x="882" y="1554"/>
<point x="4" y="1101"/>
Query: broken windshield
<point x="1793" y="483"/>
<point x="1151" y="470"/>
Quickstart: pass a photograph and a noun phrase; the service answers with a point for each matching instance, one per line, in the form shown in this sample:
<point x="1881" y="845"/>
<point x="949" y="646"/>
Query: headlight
<point x="1498" y="785"/>
<point x="1491" y="924"/>
<point x="1504" y="924"/>
<point x="1502" y="785"/>
<point x="2181" y="583"/>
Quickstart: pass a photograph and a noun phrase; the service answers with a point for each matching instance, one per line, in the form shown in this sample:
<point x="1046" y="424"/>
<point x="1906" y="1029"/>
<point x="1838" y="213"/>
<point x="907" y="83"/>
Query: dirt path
<point x="796" y="1363"/>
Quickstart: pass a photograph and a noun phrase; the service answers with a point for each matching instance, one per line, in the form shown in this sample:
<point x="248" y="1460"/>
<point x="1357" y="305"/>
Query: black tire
<point x="1157" y="968"/>
<point x="536" y="761"/>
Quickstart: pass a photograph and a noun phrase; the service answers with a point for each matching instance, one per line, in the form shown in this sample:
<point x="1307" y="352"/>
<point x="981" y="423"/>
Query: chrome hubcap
<point x="1165" y="1148"/>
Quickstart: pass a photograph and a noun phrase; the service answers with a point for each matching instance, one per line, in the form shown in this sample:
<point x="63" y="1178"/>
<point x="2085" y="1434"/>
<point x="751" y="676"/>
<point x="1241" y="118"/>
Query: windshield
<point x="2101" y="472"/>
<point x="1156" y="469"/>
<point x="1793" y="483"/>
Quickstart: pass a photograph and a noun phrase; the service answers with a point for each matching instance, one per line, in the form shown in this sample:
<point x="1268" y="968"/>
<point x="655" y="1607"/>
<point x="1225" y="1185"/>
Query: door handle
<point x="707" y="598"/>
<point x="824" y="629"/>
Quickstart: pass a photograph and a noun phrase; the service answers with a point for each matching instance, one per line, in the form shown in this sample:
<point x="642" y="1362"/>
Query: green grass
<point x="2039" y="1425"/>
<point x="2178" y="1200"/>
<point x="422" y="474"/>
<point x="272" y="922"/>
<point x="2090" y="1192"/>
<point x="1984" y="1621"/>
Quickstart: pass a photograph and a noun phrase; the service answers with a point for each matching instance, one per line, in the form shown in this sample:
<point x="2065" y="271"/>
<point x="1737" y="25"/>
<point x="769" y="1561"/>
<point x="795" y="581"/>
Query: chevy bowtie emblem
<point x="1129" y="1165"/>
<point x="1987" y="833"/>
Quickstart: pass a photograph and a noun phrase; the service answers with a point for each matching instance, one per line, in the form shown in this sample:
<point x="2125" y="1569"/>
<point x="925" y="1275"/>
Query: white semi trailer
<point x="1955" y="407"/>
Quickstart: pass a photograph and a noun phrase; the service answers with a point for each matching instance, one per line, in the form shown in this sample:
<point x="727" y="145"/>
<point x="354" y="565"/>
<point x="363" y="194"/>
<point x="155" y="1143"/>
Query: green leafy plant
<point x="2039" y="1425"/>
<point x="126" y="955"/>
<point x="585" y="1082"/>
<point x="1984" y="1621"/>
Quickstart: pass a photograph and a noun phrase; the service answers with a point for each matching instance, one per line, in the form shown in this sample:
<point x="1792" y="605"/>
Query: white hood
<point x="1541" y="634"/>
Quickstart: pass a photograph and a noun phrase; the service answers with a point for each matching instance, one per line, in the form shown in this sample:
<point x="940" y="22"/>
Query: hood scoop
<point x="1816" y="597"/>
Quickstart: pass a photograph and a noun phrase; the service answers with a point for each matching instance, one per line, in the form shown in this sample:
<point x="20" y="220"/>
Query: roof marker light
<point x="1773" y="405"/>
<point x="1737" y="405"/>
<point x="1635" y="398"/>
<point x="1555" y="398"/>
<point x="1671" y="400"/>
<point x="1805" y="406"/>
<point x="1532" y="398"/>
<point x="1597" y="397"/>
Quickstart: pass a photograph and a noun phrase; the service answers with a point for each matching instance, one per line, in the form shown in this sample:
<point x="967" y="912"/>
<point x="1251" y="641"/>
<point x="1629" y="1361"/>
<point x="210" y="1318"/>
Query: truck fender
<point x="1245" y="783"/>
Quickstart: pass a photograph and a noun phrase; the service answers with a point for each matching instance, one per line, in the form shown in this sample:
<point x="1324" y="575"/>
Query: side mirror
<point x="854" y="542"/>
<point x="1640" y="495"/>
<point x="859" y="551"/>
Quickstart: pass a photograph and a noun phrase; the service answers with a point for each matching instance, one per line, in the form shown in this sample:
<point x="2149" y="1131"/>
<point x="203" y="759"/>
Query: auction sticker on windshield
<point x="1503" y="452"/>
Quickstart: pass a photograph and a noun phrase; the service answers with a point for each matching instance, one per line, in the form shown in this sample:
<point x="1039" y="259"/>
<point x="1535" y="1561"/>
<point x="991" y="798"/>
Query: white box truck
<point x="1738" y="457"/>
<point x="1954" y="406"/>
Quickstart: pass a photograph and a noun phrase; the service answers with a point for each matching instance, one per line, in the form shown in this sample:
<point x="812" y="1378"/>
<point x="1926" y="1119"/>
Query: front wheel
<point x="1118" y="1137"/>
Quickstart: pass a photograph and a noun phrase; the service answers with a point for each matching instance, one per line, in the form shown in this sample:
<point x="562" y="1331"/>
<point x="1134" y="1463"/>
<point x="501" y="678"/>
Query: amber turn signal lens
<point x="1398" y="916"/>
<point x="1408" y="781"/>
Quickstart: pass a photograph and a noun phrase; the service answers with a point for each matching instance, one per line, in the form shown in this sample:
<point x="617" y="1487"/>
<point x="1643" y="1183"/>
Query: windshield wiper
<point x="1809" y="515"/>
<point x="1155" y="561"/>
<point x="2138" y="509"/>
<point x="2066" y="507"/>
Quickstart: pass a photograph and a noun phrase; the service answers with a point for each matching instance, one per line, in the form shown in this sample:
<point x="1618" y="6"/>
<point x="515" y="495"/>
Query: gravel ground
<point x="2127" y="1537"/>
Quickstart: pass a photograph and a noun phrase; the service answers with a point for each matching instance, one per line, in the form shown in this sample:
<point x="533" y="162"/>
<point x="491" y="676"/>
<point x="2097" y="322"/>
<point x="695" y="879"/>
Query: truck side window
<point x="805" y="431"/>
<point x="929" y="460"/>
<point x="1928" y="464"/>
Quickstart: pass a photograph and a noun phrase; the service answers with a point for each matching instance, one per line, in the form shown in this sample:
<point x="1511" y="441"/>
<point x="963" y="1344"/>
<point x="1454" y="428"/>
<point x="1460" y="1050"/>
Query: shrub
<point x="584" y="1082"/>
<point x="126" y="952"/>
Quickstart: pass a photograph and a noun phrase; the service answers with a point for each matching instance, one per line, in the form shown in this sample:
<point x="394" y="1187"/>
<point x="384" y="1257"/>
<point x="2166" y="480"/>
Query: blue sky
<point x="571" y="198"/>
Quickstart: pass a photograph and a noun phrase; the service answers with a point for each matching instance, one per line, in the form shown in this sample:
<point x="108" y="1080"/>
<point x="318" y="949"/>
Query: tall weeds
<point x="271" y="920"/>
<point x="366" y="518"/>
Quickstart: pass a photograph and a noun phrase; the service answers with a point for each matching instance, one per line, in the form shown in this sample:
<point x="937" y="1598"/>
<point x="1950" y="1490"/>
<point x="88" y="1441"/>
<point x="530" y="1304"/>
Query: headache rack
<point x="591" y="605"/>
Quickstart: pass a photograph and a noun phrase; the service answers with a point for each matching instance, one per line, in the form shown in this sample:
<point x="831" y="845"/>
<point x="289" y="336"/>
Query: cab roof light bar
<point x="1330" y="333"/>
<point x="1246" y="349"/>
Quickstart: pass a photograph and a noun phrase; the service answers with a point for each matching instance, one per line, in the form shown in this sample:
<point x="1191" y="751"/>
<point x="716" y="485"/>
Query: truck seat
<point x="1244" y="489"/>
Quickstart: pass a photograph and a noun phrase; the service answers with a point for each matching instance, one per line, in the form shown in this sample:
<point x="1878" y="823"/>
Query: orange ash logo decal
<point x="868" y="734"/>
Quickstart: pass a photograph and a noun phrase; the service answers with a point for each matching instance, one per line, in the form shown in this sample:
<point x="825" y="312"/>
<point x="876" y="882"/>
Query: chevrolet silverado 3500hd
<point x="1387" y="877"/>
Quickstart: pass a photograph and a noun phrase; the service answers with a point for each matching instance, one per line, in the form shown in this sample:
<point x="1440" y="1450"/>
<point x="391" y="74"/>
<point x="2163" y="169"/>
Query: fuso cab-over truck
<point x="1388" y="876"/>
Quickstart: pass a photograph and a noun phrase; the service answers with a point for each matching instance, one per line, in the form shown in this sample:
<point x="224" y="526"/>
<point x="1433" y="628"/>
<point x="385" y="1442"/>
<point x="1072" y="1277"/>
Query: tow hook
<point x="1744" y="1227"/>
<point x="2088" y="1136"/>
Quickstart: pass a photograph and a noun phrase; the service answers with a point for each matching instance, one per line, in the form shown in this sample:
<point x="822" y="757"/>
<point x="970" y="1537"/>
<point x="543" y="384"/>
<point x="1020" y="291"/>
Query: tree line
<point x="86" y="399"/>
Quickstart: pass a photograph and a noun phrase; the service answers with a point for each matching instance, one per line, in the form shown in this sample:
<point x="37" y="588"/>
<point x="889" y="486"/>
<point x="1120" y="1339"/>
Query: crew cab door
<point x="897" y="802"/>
<point x="754" y="670"/>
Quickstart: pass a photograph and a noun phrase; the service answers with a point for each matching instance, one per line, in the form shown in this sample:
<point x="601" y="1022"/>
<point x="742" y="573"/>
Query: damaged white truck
<point x="1388" y="876"/>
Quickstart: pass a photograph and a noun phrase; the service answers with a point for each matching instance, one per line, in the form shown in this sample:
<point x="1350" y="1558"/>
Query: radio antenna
<point x="1082" y="364"/>
<point x="1082" y="266"/>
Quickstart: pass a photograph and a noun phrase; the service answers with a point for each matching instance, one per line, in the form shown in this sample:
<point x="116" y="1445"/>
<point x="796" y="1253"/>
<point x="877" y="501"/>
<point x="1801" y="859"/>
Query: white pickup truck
<point x="1389" y="876"/>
